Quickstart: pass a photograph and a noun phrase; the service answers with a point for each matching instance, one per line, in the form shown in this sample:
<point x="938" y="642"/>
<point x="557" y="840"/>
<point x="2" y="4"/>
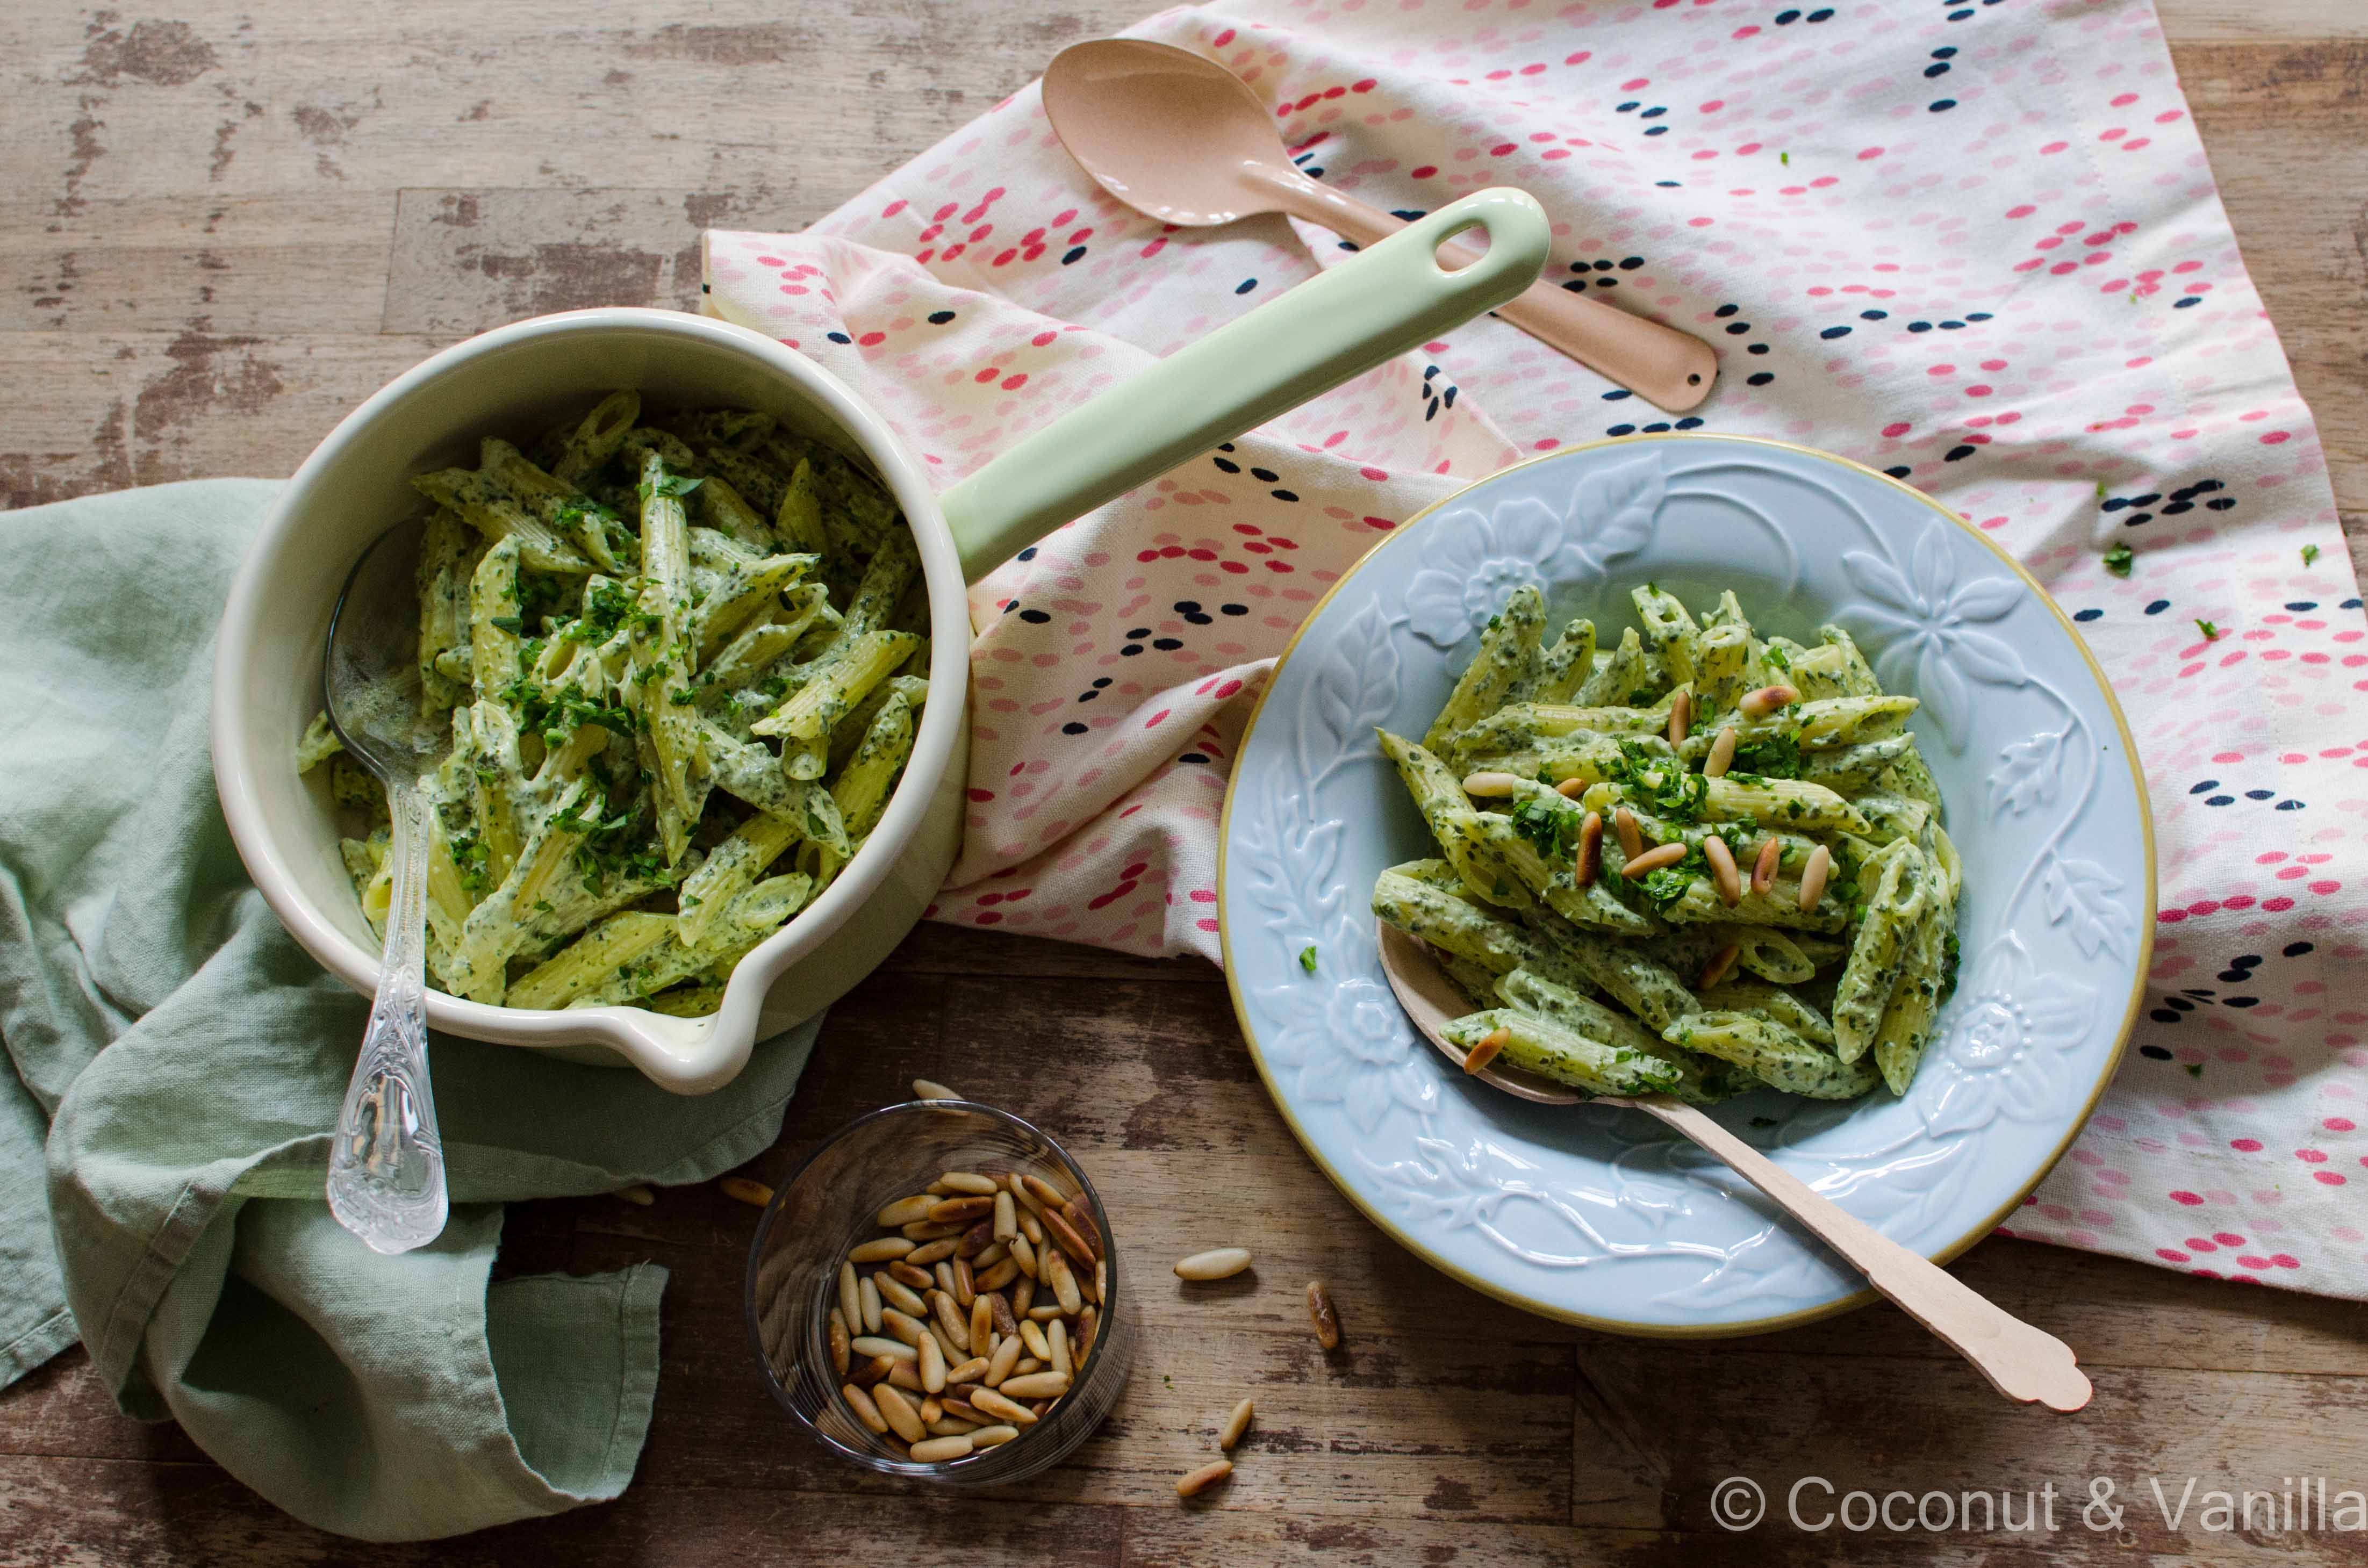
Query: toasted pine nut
<point x="976" y="1240"/>
<point x="970" y="1371"/>
<point x="996" y="1278"/>
<point x="1044" y="1312"/>
<point x="872" y="1345"/>
<point x="932" y="1364"/>
<point x="1571" y="789"/>
<point x="1082" y="1224"/>
<point x="949" y="1346"/>
<point x="906" y="1375"/>
<point x="1088" y="1322"/>
<point x="1057" y="1336"/>
<point x="937" y="1450"/>
<point x="1000" y="1320"/>
<point x="970" y="1182"/>
<point x="851" y="1295"/>
<point x="1720" y="962"/>
<point x="1320" y="1313"/>
<point x="991" y="1437"/>
<point x="1235" y="1425"/>
<point x="1484" y="1050"/>
<point x="898" y="1412"/>
<point x="960" y="1409"/>
<point x="1722" y="869"/>
<point x="933" y="1409"/>
<point x="951" y="1427"/>
<point x="1193" y="1482"/>
<point x="1631" y="837"/>
<point x="1035" y="1385"/>
<point x="1653" y="860"/>
<point x="902" y="1273"/>
<point x="933" y="1252"/>
<point x="868" y="1294"/>
<point x="982" y="1324"/>
<point x="1722" y="755"/>
<point x="1030" y="1225"/>
<point x="1031" y="1334"/>
<point x="990" y="1257"/>
<point x="1814" y="875"/>
<point x="907" y="1329"/>
<point x="1006" y="1217"/>
<point x="904" y="1210"/>
<point x="965" y="1282"/>
<point x="1764" y="870"/>
<point x="1023" y="1295"/>
<point x="950" y="1313"/>
<point x="883" y="1249"/>
<point x="1028" y="1366"/>
<point x="897" y="1294"/>
<point x="1042" y="1191"/>
<point x="1023" y="1255"/>
<point x="1218" y="1264"/>
<point x="755" y="1193"/>
<point x="1591" y="849"/>
<point x="987" y="1401"/>
<point x="1061" y="1232"/>
<point x="945" y="1276"/>
<point x="639" y="1195"/>
<point x="923" y="1089"/>
<point x="841" y="1345"/>
<point x="1064" y="1281"/>
<point x="1681" y="714"/>
<point x="1766" y="700"/>
<point x="873" y="1367"/>
<point x="1490" y="784"/>
<point x="929" y="1230"/>
<point x="966" y="1207"/>
<point x="999" y="1365"/>
<point x="865" y="1410"/>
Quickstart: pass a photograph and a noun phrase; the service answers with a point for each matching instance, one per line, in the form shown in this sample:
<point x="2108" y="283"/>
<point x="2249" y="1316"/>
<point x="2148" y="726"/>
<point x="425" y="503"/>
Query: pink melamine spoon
<point x="2021" y="1362"/>
<point x="1179" y="138"/>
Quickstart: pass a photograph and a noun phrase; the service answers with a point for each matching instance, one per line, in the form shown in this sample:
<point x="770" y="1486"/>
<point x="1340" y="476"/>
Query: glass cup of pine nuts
<point x="1009" y="1302"/>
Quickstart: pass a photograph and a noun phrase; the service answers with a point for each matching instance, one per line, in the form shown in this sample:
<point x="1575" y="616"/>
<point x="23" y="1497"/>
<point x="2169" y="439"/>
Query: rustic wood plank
<point x="196" y="1514"/>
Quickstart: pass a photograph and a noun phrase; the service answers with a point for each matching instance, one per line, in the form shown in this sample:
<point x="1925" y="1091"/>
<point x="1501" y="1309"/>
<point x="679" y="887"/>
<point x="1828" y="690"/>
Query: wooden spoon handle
<point x="2022" y="1362"/>
<point x="1672" y="369"/>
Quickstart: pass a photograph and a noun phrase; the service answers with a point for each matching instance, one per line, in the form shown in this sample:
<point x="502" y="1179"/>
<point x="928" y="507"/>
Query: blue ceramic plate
<point x="1600" y="1216"/>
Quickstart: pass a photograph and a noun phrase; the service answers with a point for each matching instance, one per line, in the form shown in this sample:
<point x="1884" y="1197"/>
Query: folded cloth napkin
<point x="185" y="1060"/>
<point x="1975" y="245"/>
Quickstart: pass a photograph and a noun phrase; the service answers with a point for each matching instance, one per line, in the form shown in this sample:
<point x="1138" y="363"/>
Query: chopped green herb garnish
<point x="2195" y="1069"/>
<point x="1307" y="959"/>
<point x="1771" y="756"/>
<point x="2118" y="559"/>
<point x="1553" y="829"/>
<point x="2310" y="553"/>
<point x="1776" y="659"/>
<point x="2210" y="629"/>
<point x="1949" y="959"/>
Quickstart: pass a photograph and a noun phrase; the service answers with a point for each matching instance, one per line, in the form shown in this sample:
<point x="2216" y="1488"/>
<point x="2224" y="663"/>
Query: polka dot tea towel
<point x="1973" y="243"/>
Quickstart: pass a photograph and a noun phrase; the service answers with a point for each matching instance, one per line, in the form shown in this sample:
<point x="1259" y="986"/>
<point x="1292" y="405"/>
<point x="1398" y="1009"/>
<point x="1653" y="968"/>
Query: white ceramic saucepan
<point x="519" y="378"/>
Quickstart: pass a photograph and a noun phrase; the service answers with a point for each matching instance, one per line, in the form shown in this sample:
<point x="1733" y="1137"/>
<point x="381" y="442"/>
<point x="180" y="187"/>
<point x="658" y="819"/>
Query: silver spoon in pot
<point x="1179" y="138"/>
<point x="2024" y="1363"/>
<point x="386" y="1163"/>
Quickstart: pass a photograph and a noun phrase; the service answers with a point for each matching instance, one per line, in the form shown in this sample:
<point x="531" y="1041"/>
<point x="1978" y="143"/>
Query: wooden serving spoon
<point x="2022" y="1362"/>
<point x="1179" y="138"/>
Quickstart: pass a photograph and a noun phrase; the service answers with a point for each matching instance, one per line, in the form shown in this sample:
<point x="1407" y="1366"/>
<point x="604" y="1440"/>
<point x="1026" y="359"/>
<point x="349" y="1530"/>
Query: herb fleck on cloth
<point x="183" y="1059"/>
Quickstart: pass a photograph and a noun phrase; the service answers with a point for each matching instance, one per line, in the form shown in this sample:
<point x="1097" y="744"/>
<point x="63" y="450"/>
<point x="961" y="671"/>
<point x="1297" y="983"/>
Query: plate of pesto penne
<point x="1700" y="766"/>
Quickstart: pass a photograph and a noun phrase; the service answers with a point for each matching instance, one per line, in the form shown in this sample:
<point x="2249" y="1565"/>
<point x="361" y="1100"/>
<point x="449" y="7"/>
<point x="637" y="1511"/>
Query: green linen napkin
<point x="182" y="1059"/>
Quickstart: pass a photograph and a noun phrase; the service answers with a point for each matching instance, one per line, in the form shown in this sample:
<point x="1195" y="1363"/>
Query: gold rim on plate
<point x="1757" y="1326"/>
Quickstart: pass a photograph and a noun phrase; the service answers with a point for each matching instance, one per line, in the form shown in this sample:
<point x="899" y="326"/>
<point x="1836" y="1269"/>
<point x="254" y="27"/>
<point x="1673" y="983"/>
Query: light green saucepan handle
<point x="1335" y="325"/>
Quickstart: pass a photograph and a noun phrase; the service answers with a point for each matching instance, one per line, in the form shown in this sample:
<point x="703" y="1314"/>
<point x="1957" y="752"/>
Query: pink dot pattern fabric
<point x="1974" y="245"/>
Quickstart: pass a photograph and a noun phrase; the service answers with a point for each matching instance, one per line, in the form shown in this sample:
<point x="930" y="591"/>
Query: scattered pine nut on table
<point x="1219" y="1262"/>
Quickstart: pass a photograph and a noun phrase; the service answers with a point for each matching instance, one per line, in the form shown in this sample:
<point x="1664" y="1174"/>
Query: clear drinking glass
<point x="829" y="1206"/>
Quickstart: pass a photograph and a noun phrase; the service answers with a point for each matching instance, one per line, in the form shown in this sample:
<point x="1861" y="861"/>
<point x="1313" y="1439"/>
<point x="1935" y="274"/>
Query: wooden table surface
<point x="222" y="232"/>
